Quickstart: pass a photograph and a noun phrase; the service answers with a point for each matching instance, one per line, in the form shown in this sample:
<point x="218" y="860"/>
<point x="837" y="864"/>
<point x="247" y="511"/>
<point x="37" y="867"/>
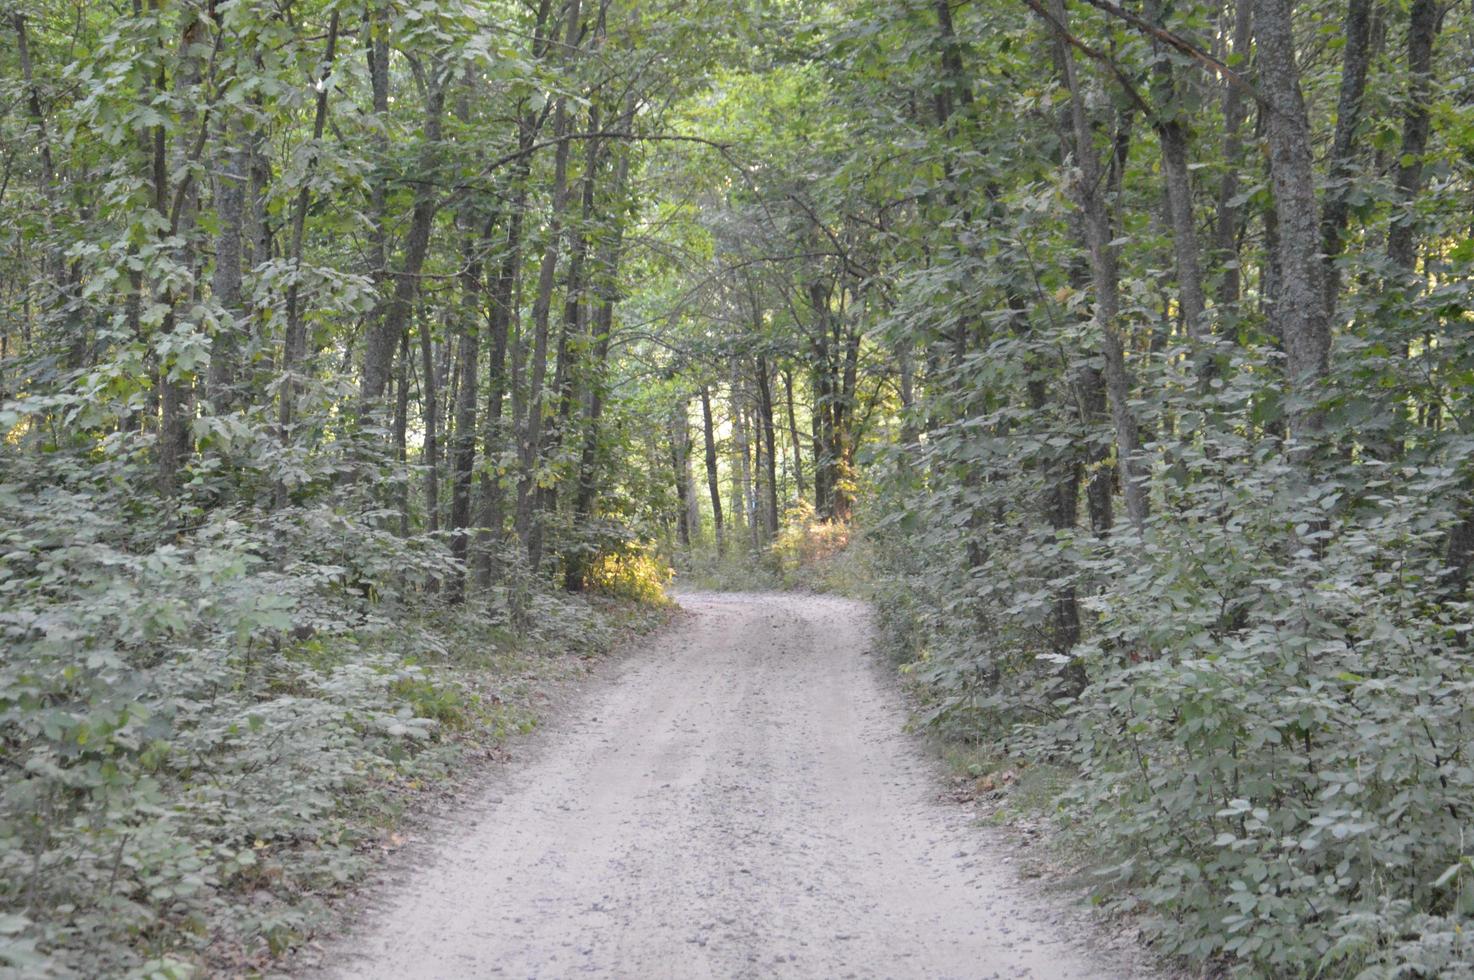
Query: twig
<point x="1179" y="43"/>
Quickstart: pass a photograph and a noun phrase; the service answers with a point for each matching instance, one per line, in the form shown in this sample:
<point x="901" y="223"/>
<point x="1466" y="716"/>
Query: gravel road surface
<point x="738" y="799"/>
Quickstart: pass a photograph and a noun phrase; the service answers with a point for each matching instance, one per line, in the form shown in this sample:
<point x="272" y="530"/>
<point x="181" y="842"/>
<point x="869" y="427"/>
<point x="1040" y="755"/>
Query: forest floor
<point x="735" y="797"/>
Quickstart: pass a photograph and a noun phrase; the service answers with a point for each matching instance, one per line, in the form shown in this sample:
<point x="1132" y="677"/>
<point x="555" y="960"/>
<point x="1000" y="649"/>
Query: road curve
<point x="738" y="800"/>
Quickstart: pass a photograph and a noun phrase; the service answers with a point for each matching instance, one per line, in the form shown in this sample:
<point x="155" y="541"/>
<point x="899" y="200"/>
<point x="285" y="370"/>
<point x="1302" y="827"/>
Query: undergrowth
<point x="1267" y="744"/>
<point x="203" y="742"/>
<point x="807" y="553"/>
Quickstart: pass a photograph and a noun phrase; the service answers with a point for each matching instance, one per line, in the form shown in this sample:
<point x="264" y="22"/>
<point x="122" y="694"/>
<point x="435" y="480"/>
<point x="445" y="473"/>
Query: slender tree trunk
<point x="680" y="448"/>
<point x="693" y="499"/>
<point x="384" y="333"/>
<point x="1226" y="226"/>
<point x="574" y="331"/>
<point x="712" y="484"/>
<point x="1062" y="475"/>
<point x="1177" y="185"/>
<point x="529" y="527"/>
<point x="770" y="447"/>
<point x="1105" y="284"/>
<point x="1355" y="57"/>
<point x="1423" y="24"/>
<point x="430" y="414"/>
<point x="463" y="447"/>
<point x="1099" y="494"/>
<point x="798" y="453"/>
<point x="741" y="472"/>
<point x="54" y="263"/>
<point x="401" y="431"/>
<point x="230" y="206"/>
<point x="574" y="328"/>
<point x="506" y="329"/>
<point x="1403" y="282"/>
<point x="294" y="344"/>
<point x="376" y="51"/>
<point x="177" y="209"/>
<point x="824" y="402"/>
<point x="843" y="449"/>
<point x="502" y="311"/>
<point x="446" y="382"/>
<point x="33" y="104"/>
<point x="609" y="257"/>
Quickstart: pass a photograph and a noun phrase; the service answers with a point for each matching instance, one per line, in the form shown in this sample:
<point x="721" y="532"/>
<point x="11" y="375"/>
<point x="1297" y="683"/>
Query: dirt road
<point x="738" y="800"/>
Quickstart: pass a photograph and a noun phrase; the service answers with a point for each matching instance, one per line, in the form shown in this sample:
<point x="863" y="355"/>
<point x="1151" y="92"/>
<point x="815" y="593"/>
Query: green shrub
<point x="637" y="574"/>
<point x="1275" y="739"/>
<point x="197" y="737"/>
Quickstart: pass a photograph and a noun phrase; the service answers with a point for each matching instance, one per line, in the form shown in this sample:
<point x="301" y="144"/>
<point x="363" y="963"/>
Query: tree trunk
<point x="294" y="343"/>
<point x="503" y="308"/>
<point x="1062" y="475"/>
<point x="384" y="333"/>
<point x="1190" y="296"/>
<point x="400" y="430"/>
<point x="1105" y="284"/>
<point x="798" y="452"/>
<point x="574" y="328"/>
<point x="529" y="528"/>
<point x="376" y="51"/>
<point x="177" y="207"/>
<point x="1298" y="314"/>
<point x="463" y="448"/>
<point x="230" y="207"/>
<point x="712" y="484"/>
<point x="430" y="415"/>
<point x="54" y="264"/>
<point x="770" y="457"/>
<point x="1355" y="57"/>
<point x="1177" y="184"/>
<point x="1422" y="29"/>
<point x="825" y="398"/>
<point x="844" y="428"/>
<point x="1226" y="226"/>
<point x="680" y="448"/>
<point x="609" y="256"/>
<point x="741" y="473"/>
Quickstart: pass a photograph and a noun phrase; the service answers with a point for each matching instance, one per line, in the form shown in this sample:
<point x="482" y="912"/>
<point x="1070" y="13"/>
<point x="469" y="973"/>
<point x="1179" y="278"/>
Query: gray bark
<point x="713" y="486"/>
<point x="1226" y="227"/>
<point x="233" y="165"/>
<point x="1298" y="313"/>
<point x="1105" y="283"/>
<point x="1422" y="29"/>
<point x="1355" y="58"/>
<point x="609" y="255"/>
<point x="798" y="452"/>
<point x="294" y="343"/>
<point x="529" y="529"/>
<point x="769" y="447"/>
<point x="175" y="392"/>
<point x="680" y="453"/>
<point x="430" y="412"/>
<point x="1177" y="184"/>
<point x="384" y="333"/>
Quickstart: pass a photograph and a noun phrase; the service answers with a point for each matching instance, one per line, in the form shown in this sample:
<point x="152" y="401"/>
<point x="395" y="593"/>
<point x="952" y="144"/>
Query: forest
<point x="365" y="362"/>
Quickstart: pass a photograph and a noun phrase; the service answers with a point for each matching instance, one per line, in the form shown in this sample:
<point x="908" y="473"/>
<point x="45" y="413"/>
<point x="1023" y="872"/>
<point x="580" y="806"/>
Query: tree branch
<point x="1178" y="43"/>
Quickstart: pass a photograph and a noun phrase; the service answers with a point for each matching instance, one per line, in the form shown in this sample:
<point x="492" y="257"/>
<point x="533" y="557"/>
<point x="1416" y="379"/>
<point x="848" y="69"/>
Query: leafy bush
<point x="733" y="571"/>
<point x="804" y="540"/>
<point x="1274" y="733"/>
<point x="199" y="738"/>
<point x="633" y="573"/>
